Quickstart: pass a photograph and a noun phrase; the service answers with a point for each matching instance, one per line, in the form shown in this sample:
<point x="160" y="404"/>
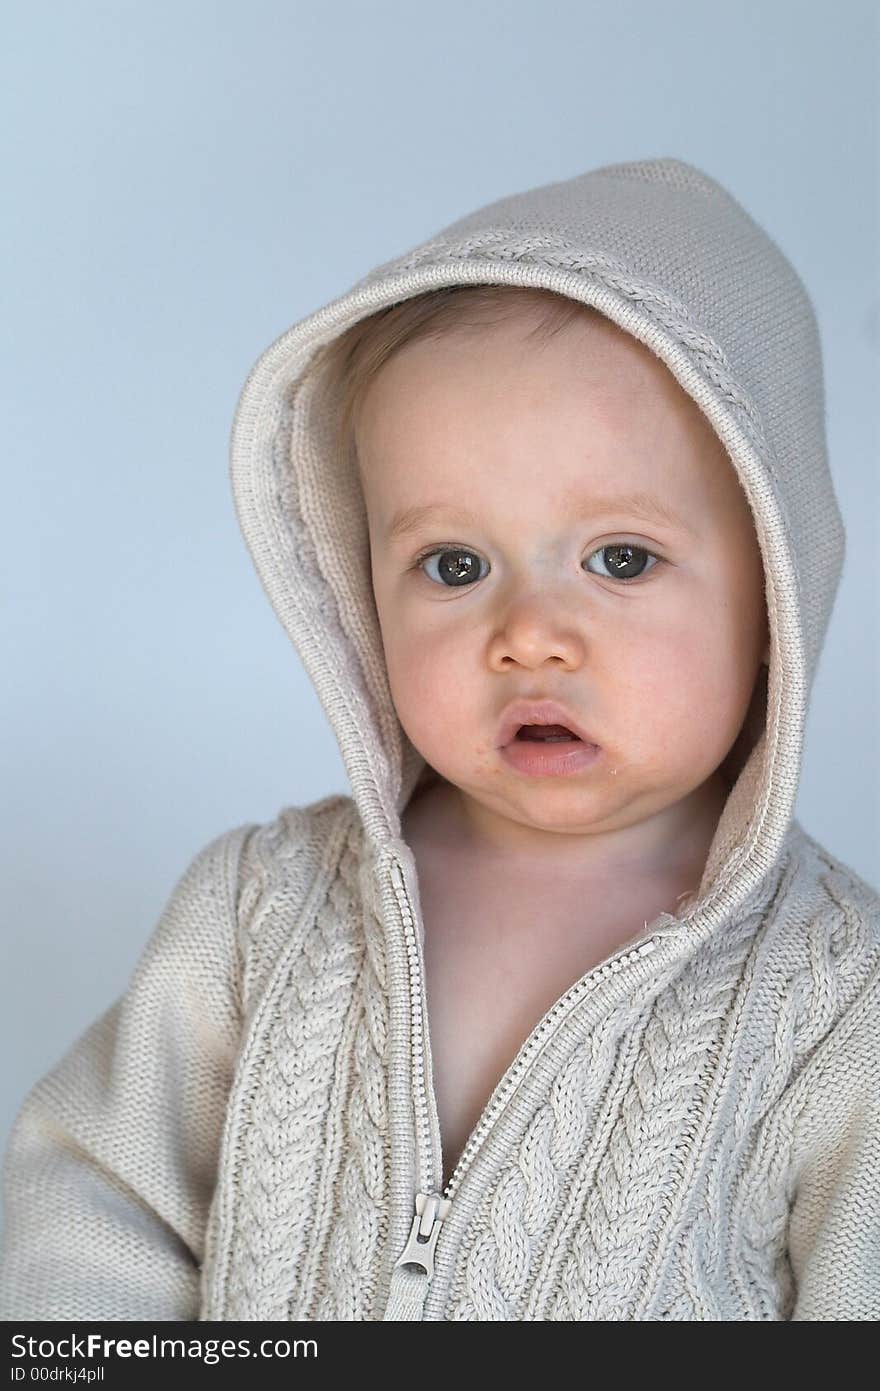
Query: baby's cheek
<point x="640" y="672"/>
<point x="668" y="693"/>
<point x="700" y="714"/>
<point x="424" y="683"/>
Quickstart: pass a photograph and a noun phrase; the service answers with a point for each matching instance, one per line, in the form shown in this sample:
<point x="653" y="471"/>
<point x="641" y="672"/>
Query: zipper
<point x="413" y="1270"/>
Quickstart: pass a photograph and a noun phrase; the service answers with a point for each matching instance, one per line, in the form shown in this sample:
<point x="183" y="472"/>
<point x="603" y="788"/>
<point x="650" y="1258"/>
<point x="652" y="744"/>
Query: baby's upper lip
<point x="538" y="711"/>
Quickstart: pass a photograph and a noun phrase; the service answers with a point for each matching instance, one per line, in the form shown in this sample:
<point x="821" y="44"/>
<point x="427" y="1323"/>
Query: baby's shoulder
<point x="282" y="865"/>
<point x="822" y="943"/>
<point x="294" y="841"/>
<point x="830" y="894"/>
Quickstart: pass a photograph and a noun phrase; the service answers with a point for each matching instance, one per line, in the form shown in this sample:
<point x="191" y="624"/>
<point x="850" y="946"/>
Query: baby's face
<point x="524" y="449"/>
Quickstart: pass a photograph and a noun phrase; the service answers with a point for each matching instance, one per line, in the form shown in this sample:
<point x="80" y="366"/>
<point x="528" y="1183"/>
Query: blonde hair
<point x="353" y="358"/>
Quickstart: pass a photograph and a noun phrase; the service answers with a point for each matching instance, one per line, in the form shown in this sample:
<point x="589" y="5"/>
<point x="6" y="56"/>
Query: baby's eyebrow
<point x="641" y="506"/>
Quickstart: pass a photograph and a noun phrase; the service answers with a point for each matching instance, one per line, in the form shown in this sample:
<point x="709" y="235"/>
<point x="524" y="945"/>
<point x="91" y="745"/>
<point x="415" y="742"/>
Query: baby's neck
<point x="441" y="819"/>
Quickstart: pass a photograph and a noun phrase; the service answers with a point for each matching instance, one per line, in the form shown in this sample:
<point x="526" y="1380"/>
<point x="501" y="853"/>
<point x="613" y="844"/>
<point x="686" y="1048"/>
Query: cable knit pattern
<point x="287" y="1148"/>
<point x="692" y="1130"/>
<point x="361" y="1155"/>
<point x="673" y="1095"/>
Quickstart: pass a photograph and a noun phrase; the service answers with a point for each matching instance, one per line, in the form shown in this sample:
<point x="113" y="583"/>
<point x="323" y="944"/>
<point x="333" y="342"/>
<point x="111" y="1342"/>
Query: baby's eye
<point x="457" y="566"/>
<point x="625" y="560"/>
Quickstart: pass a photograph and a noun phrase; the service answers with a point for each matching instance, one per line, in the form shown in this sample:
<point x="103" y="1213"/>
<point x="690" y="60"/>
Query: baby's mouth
<point x="541" y="721"/>
<point x="546" y="733"/>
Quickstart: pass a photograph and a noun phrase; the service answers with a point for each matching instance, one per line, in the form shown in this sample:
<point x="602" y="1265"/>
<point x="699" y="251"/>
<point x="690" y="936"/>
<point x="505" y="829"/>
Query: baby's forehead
<point x="599" y="373"/>
<point x="472" y="410"/>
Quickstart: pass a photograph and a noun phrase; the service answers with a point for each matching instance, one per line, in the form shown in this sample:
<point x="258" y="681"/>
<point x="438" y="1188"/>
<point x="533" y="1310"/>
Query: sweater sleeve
<point x="834" y="1221"/>
<point x="111" y="1162"/>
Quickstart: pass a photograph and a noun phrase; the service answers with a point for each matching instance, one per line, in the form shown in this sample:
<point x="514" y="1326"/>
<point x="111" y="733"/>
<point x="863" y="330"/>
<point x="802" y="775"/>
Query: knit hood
<point x="671" y="257"/>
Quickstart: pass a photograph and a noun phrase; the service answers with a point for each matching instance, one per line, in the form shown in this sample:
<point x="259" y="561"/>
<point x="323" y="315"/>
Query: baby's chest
<point x="485" y="997"/>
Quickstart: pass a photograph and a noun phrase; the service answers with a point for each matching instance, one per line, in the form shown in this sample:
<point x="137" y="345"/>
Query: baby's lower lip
<point x="537" y="759"/>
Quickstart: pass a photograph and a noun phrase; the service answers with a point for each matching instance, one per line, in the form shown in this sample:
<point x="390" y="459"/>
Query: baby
<point x="606" y="561"/>
<point x="561" y="1014"/>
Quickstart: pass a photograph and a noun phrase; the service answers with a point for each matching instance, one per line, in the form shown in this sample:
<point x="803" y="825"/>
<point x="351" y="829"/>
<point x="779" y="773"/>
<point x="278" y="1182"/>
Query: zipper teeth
<point x="610" y="967"/>
<point x="423" y="1147"/>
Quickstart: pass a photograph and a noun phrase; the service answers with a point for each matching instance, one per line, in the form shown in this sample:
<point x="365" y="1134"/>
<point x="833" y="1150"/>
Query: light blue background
<point x="185" y="180"/>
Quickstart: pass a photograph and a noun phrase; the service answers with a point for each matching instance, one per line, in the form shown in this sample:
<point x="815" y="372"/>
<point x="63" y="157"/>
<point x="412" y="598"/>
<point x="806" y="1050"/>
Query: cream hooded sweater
<point x="692" y="1131"/>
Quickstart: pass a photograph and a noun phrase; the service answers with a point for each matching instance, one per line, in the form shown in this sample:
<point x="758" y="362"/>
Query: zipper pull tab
<point x="412" y="1271"/>
<point x="431" y="1209"/>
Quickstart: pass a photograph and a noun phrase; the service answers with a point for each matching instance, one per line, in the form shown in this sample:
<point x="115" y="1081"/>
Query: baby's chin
<point x="531" y="805"/>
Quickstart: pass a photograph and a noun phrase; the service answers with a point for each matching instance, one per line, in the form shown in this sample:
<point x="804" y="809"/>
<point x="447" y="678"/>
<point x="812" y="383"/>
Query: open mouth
<point x="547" y="733"/>
<point x="547" y="750"/>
